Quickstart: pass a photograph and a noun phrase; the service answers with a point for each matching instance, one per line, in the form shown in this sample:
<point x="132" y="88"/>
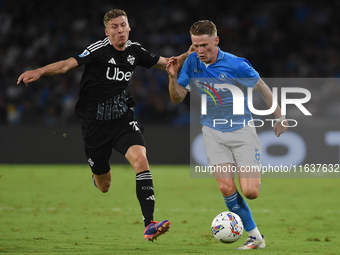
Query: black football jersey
<point x="107" y="72"/>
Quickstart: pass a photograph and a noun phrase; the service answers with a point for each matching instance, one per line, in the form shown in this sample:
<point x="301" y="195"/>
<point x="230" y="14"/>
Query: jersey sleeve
<point x="84" y="58"/>
<point x="146" y="59"/>
<point x="184" y="77"/>
<point x="247" y="74"/>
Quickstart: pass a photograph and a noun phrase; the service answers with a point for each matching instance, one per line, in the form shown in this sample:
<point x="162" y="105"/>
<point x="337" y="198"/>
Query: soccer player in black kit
<point x="104" y="106"/>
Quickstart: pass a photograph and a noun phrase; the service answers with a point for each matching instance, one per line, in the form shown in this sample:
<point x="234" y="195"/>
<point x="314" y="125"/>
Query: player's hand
<point x="279" y="128"/>
<point x="29" y="76"/>
<point x="172" y="66"/>
<point x="191" y="49"/>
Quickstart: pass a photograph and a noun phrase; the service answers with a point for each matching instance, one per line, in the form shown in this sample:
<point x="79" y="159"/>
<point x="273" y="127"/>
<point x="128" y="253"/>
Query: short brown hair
<point x="114" y="13"/>
<point x="203" y="27"/>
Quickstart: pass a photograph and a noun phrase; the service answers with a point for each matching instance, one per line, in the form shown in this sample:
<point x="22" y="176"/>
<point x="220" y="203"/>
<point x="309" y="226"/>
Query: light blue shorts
<point x="241" y="147"/>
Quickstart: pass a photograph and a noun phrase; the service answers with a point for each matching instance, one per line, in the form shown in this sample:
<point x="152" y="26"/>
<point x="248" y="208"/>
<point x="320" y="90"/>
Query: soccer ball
<point x="227" y="227"/>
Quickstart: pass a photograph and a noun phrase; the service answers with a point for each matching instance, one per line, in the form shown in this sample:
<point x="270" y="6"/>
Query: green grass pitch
<point x="55" y="209"/>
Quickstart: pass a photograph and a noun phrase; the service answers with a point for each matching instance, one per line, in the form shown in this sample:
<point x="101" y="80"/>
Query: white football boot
<point x="252" y="243"/>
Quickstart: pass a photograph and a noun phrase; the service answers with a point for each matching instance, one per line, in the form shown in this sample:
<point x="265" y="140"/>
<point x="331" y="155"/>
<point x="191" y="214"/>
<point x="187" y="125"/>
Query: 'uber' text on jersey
<point x="117" y="75"/>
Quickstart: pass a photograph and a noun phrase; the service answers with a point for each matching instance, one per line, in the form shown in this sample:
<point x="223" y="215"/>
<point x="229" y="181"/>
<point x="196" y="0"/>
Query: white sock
<point x="255" y="233"/>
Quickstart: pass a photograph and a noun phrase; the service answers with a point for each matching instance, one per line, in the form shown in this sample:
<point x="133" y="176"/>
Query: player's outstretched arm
<point x="267" y="96"/>
<point x="177" y="92"/>
<point x="162" y="62"/>
<point x="51" y="69"/>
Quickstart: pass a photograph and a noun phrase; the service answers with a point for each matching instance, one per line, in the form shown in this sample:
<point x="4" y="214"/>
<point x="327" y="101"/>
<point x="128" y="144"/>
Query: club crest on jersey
<point x="223" y="76"/>
<point x="131" y="59"/>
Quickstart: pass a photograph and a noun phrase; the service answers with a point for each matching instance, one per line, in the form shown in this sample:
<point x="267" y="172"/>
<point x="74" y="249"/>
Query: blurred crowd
<point x="284" y="39"/>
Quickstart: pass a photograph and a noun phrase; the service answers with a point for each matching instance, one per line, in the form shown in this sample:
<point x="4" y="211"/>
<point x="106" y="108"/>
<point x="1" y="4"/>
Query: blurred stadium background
<point x="282" y="39"/>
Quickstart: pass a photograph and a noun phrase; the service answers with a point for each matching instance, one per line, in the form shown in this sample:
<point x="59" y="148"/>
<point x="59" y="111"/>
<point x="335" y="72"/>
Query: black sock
<point x="145" y="195"/>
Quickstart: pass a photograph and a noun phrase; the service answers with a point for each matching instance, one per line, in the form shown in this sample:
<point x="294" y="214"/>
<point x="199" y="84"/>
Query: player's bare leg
<point x="136" y="155"/>
<point x="103" y="181"/>
<point x="250" y="187"/>
<point x="225" y="179"/>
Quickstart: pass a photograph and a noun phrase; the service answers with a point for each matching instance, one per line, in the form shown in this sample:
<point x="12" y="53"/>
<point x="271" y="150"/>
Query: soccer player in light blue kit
<point x="234" y="144"/>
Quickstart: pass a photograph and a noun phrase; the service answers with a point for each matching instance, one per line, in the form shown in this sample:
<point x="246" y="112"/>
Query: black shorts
<point x="101" y="138"/>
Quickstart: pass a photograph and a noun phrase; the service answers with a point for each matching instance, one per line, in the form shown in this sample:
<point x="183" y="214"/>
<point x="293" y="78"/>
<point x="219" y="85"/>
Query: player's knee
<point x="140" y="162"/>
<point x="104" y="186"/>
<point x="226" y="189"/>
<point x="250" y="193"/>
<point x="104" y="189"/>
<point x="136" y="155"/>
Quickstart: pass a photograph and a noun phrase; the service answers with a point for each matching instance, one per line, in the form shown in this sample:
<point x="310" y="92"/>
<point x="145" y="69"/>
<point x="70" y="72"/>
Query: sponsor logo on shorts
<point x="90" y="162"/>
<point x="257" y="155"/>
<point x="134" y="125"/>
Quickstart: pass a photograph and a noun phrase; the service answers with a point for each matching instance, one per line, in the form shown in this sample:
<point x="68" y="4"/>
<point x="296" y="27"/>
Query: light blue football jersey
<point x="212" y="81"/>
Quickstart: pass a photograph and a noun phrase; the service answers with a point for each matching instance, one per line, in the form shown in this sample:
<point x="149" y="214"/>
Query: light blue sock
<point x="238" y="205"/>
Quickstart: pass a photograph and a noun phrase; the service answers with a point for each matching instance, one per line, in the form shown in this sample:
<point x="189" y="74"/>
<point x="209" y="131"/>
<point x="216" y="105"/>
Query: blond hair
<point x="203" y="27"/>
<point x="114" y="13"/>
